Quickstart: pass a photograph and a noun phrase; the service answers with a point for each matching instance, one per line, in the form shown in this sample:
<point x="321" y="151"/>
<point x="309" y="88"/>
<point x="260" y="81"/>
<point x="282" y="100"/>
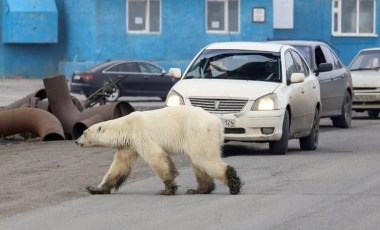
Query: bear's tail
<point x="234" y="182"/>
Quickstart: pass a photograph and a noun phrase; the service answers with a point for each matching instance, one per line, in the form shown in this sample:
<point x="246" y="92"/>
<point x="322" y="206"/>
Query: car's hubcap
<point x="114" y="95"/>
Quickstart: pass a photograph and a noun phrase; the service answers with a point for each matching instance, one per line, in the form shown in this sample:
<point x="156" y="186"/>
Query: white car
<point x="263" y="92"/>
<point x="366" y="81"/>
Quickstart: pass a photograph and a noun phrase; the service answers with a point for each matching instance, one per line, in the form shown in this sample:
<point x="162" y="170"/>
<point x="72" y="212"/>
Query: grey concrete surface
<point x="335" y="187"/>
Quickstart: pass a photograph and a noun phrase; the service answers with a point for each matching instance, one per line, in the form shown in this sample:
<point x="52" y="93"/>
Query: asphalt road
<point x="335" y="187"/>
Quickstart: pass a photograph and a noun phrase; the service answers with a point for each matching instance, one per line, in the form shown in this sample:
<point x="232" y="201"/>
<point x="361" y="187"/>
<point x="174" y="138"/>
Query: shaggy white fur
<point x="154" y="135"/>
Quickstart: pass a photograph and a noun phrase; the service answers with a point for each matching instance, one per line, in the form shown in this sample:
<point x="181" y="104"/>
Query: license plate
<point x="230" y="123"/>
<point x="365" y="98"/>
<point x="76" y="77"/>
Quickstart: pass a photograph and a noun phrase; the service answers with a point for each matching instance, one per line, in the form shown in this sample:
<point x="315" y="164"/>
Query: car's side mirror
<point x="175" y="72"/>
<point x="297" y="78"/>
<point x="325" y="67"/>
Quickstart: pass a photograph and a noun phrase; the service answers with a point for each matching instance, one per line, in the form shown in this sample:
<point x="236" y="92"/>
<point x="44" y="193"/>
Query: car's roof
<point x="113" y="62"/>
<point x="254" y="46"/>
<point x="299" y="42"/>
<point x="370" y="49"/>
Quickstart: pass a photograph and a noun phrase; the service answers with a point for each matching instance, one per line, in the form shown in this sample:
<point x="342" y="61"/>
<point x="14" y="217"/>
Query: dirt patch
<point x="39" y="174"/>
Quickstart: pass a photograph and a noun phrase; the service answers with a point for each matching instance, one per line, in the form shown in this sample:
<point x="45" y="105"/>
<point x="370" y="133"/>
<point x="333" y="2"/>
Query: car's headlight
<point x="267" y="102"/>
<point x="174" y="99"/>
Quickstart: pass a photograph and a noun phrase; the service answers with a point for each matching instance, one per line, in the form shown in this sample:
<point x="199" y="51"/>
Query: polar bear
<point x="155" y="135"/>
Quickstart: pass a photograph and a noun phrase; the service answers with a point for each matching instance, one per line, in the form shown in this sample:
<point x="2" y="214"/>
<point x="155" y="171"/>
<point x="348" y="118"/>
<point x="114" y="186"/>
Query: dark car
<point x="335" y="80"/>
<point x="142" y="79"/>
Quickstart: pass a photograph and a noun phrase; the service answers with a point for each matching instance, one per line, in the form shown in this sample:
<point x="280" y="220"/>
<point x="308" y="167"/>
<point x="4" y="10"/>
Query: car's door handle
<point x="302" y="91"/>
<point x="314" y="86"/>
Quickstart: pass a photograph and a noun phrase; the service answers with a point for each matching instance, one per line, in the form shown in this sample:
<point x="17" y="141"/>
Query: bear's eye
<point x="100" y="128"/>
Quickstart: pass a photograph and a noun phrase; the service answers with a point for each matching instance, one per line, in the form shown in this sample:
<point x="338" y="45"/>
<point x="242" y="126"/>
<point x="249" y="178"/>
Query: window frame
<point x="337" y="11"/>
<point x="147" y="18"/>
<point x="226" y="18"/>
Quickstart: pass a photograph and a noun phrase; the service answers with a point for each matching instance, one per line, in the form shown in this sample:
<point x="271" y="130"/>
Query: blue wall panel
<point x="313" y="21"/>
<point x="30" y="60"/>
<point x="30" y="21"/>
<point x="93" y="31"/>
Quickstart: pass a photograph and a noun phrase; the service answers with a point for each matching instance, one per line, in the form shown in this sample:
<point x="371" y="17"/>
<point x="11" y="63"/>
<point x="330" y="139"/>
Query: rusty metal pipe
<point x="30" y="100"/>
<point x="62" y="106"/>
<point x="23" y="120"/>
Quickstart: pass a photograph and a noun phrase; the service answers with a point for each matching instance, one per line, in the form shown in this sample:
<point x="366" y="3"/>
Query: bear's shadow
<point x="250" y="149"/>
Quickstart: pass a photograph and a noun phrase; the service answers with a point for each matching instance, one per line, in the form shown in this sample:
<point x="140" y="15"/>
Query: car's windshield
<point x="236" y="65"/>
<point x="369" y="59"/>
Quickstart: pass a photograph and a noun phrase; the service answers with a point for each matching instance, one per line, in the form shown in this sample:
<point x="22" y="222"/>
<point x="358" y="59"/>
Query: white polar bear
<point x="154" y="135"/>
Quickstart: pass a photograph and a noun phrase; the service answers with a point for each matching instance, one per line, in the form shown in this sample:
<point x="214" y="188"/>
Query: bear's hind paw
<point x="95" y="190"/>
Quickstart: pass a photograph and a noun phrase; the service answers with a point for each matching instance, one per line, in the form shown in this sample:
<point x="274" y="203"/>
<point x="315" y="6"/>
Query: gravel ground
<point x="35" y="174"/>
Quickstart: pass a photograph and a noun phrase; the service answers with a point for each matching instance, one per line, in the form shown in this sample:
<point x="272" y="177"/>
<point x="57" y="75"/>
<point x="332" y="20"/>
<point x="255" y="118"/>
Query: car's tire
<point x="114" y="96"/>
<point x="373" y="114"/>
<point x="280" y="147"/>
<point x="310" y="142"/>
<point x="344" y="120"/>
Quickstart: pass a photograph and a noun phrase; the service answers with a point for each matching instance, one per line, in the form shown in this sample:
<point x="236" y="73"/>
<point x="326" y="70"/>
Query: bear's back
<point x="175" y="127"/>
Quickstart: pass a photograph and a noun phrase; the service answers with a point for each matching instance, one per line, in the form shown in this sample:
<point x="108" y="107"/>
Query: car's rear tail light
<point x="87" y="77"/>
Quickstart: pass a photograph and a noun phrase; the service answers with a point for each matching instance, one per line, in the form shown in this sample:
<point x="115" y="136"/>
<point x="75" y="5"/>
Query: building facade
<point x="40" y="38"/>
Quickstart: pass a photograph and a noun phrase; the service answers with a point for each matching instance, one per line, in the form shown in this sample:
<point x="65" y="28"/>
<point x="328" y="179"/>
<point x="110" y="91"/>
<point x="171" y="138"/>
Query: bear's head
<point x="98" y="135"/>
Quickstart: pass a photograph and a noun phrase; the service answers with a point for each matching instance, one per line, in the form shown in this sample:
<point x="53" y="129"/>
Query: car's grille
<point x="215" y="105"/>
<point x="365" y="103"/>
<point x="234" y="130"/>
<point x="365" y="88"/>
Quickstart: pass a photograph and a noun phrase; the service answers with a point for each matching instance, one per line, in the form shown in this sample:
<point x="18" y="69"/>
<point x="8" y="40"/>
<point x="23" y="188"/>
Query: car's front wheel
<point x="344" y="120"/>
<point x="310" y="142"/>
<point x="114" y="95"/>
<point x="373" y="114"/>
<point x="280" y="147"/>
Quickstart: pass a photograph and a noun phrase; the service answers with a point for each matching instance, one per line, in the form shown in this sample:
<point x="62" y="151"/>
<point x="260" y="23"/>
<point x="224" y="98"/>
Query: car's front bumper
<point x="364" y="100"/>
<point x="253" y="126"/>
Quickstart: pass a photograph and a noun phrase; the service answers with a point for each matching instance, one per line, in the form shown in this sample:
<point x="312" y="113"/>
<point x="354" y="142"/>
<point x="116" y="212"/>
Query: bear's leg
<point x="117" y="173"/>
<point x="205" y="182"/>
<point x="233" y="180"/>
<point x="161" y="163"/>
<point x="216" y="168"/>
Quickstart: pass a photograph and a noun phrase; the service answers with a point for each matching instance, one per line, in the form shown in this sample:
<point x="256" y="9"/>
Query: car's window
<point x="305" y="52"/>
<point x="300" y="64"/>
<point x="149" y="68"/>
<point x="236" y="65"/>
<point x="319" y="56"/>
<point x="329" y="57"/>
<point x="290" y="66"/>
<point x="124" y="67"/>
<point x="338" y="63"/>
<point x="366" y="60"/>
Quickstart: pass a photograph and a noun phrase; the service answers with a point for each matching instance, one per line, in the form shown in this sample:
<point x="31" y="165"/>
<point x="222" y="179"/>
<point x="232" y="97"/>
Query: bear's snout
<point x="76" y="142"/>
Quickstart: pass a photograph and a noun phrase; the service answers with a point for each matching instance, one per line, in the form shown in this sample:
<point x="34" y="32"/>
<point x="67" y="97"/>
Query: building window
<point x="144" y="16"/>
<point x="353" y="17"/>
<point x="222" y="16"/>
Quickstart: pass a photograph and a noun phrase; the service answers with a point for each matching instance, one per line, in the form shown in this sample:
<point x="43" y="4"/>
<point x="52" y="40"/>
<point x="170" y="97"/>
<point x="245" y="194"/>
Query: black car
<point x="335" y="80"/>
<point x="141" y="78"/>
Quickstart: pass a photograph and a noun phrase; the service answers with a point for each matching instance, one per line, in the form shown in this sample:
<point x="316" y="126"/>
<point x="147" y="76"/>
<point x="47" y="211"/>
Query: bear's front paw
<point x="192" y="191"/>
<point x="95" y="190"/>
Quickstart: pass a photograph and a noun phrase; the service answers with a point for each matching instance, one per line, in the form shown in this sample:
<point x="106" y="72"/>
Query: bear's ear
<point x="100" y="128"/>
